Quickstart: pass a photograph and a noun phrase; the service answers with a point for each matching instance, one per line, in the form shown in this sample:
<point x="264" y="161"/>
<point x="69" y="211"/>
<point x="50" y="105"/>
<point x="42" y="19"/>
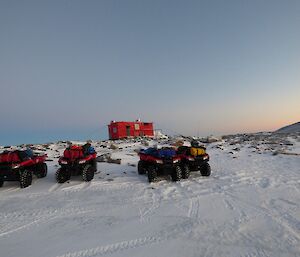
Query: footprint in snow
<point x="264" y="183"/>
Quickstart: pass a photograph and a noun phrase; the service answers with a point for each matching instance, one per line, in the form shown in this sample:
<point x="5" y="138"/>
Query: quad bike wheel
<point x="94" y="165"/>
<point x="1" y="183"/>
<point x="141" y="168"/>
<point x="62" y="175"/>
<point x="185" y="171"/>
<point x="152" y="174"/>
<point x="41" y="170"/>
<point x="205" y="169"/>
<point x="176" y="174"/>
<point x="88" y="173"/>
<point x="25" y="178"/>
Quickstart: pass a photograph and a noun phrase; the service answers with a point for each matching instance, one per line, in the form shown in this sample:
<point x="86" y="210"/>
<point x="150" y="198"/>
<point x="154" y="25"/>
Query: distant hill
<point x="290" y="128"/>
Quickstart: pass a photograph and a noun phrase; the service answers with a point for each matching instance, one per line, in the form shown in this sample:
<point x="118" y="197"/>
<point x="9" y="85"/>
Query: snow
<point x="249" y="206"/>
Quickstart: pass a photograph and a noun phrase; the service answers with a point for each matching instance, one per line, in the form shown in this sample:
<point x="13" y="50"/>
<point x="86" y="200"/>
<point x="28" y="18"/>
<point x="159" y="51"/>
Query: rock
<point x="113" y="147"/>
<point x="179" y="143"/>
<point x="107" y="158"/>
<point x="210" y="139"/>
<point x="116" y="161"/>
<point x="145" y="143"/>
<point x="137" y="150"/>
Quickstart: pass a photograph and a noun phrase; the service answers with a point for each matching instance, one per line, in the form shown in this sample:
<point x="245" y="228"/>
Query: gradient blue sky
<point x="68" y="67"/>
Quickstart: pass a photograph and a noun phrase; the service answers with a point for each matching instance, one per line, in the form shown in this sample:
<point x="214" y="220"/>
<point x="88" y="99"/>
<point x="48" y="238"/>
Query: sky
<point x="69" y="67"/>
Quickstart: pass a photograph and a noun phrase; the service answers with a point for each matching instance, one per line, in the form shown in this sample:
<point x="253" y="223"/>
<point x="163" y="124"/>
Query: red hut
<point x="125" y="129"/>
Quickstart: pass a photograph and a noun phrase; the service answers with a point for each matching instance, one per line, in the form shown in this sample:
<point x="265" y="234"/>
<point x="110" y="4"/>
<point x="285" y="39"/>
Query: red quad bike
<point x="194" y="159"/>
<point x="74" y="162"/>
<point x="20" y="165"/>
<point x="159" y="162"/>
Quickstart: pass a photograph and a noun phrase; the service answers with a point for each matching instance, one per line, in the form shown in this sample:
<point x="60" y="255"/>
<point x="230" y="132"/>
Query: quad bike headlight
<point x="205" y="157"/>
<point x="63" y="162"/>
<point x="175" y="161"/>
<point x="16" y="166"/>
<point x="159" y="161"/>
<point x="82" y="161"/>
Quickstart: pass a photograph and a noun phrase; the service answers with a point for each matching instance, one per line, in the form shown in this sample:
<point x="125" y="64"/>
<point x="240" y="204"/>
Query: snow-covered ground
<point x="249" y="206"/>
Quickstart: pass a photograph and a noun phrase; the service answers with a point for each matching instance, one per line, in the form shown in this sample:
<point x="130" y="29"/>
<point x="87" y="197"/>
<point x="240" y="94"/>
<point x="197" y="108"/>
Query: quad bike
<point x="75" y="161"/>
<point x="194" y="158"/>
<point x="20" y="165"/>
<point x="159" y="162"/>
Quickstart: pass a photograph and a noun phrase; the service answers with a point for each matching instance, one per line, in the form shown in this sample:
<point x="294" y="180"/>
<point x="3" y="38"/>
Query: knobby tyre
<point x="205" y="169"/>
<point x="62" y="175"/>
<point x="88" y="173"/>
<point x="25" y="178"/>
<point x="42" y="170"/>
<point x="185" y="171"/>
<point x="141" y="168"/>
<point x="152" y="174"/>
<point x="177" y="173"/>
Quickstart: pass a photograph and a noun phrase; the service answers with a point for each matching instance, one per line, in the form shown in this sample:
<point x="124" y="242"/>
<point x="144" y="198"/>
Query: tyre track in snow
<point x="11" y="190"/>
<point x="190" y="190"/>
<point x="194" y="208"/>
<point x="41" y="213"/>
<point x="113" y="248"/>
<point x="233" y="234"/>
<point x="284" y="218"/>
<point x="176" y="192"/>
<point x="39" y="217"/>
<point x="173" y="232"/>
<point x="146" y="212"/>
<point x="179" y="191"/>
<point x="54" y="188"/>
<point x="279" y="218"/>
<point x="66" y="190"/>
<point x="15" y="221"/>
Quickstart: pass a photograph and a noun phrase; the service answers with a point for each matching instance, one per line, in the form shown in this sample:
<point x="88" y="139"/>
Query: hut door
<point x="128" y="131"/>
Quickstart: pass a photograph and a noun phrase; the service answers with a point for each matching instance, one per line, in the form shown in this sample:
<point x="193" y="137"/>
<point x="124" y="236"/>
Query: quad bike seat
<point x="74" y="152"/>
